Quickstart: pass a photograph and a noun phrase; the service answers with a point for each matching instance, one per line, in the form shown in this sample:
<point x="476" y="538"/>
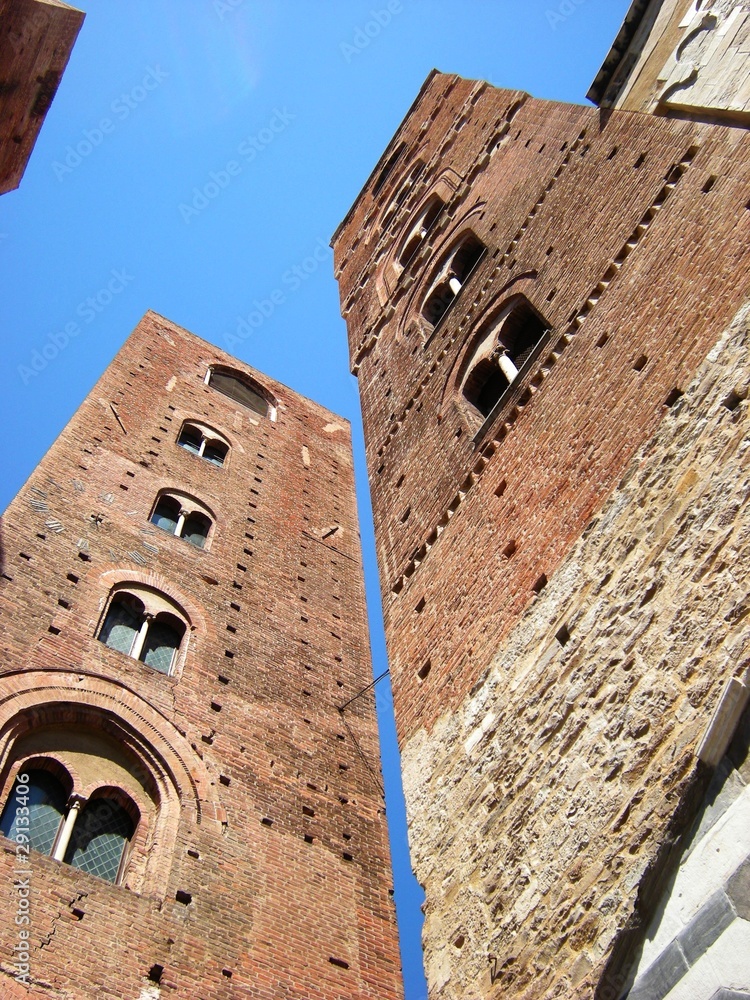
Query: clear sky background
<point x="303" y="96"/>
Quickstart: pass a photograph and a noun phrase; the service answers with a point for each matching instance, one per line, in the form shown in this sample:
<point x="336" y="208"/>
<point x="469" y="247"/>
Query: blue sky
<point x="199" y="154"/>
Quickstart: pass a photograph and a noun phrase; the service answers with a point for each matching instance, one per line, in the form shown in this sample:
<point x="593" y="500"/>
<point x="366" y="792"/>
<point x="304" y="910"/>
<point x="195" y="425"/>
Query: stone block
<point x="706" y="927"/>
<point x="738" y="890"/>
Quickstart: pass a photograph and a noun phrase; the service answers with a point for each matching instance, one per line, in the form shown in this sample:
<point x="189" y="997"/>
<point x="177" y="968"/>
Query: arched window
<point x="91" y="835"/>
<point x="99" y="838"/>
<point x="35" y="809"/>
<point x="242" y="390"/>
<point x="418" y="232"/>
<point x="452" y="273"/>
<point x="144" y="626"/>
<point x="197" y="527"/>
<point x="215" y="452"/>
<point x="204" y="442"/>
<point x="75" y="760"/>
<point x="502" y="349"/>
<point x="182" y="516"/>
<point x="387" y="167"/>
<point x="123" y="623"/>
<point x="163" y="637"/>
<point x="166" y="514"/>
<point x="485" y="385"/>
<point x="191" y="439"/>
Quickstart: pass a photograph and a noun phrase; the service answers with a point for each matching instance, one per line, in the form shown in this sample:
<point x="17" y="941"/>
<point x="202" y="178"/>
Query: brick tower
<point x="546" y="309"/>
<point x="36" y="39"/>
<point x="186" y="811"/>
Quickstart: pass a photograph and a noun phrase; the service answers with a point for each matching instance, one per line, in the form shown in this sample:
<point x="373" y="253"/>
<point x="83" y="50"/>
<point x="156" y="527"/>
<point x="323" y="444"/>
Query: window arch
<point x="180" y="515"/>
<point x="144" y="625"/>
<point x="391" y="208"/>
<point x="35" y="809"/>
<point x="102" y="833"/>
<point x="501" y="350"/>
<point x="388" y="166"/>
<point x="197" y="528"/>
<point x="451" y="275"/>
<point x="99" y="745"/>
<point x="204" y="442"/>
<point x="241" y="389"/>
<point x="418" y="232"/>
<point x="48" y="814"/>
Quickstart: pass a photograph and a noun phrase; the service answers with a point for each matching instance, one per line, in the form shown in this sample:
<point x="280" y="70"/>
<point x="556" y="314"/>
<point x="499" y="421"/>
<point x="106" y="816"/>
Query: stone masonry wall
<point x="692" y="61"/>
<point x="537" y="806"/>
<point x="698" y="943"/>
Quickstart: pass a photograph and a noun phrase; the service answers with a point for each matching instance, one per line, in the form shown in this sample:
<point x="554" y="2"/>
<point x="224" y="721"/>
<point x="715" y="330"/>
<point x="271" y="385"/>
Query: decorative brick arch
<point x="389" y="275"/>
<point x="513" y="293"/>
<point x="249" y="381"/>
<point x="110" y="578"/>
<point x="469" y="221"/>
<point x="164" y="763"/>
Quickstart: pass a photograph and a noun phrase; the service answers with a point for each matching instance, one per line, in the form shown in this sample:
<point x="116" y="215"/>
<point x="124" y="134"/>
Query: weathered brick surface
<point x="274" y="793"/>
<point x="629" y="235"/>
<point x="36" y="37"/>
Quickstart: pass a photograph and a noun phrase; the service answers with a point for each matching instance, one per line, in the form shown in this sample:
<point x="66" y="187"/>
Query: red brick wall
<point x="556" y="192"/>
<point x="36" y="39"/>
<point x="280" y="794"/>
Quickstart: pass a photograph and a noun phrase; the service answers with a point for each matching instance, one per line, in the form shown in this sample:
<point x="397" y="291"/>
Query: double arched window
<point x="500" y="351"/>
<point x="451" y="275"/>
<point x="182" y="516"/>
<point x="145" y="625"/>
<point x="92" y="834"/>
<point x="204" y="442"/>
<point x="241" y="389"/>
